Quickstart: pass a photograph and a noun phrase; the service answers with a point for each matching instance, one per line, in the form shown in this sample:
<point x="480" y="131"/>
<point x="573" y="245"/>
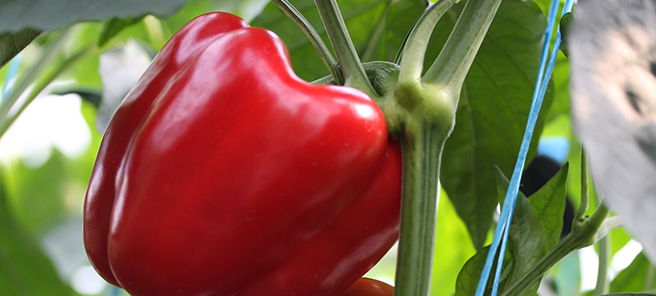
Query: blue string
<point x="505" y="218"/>
<point x="9" y="77"/>
<point x="501" y="227"/>
<point x="533" y="116"/>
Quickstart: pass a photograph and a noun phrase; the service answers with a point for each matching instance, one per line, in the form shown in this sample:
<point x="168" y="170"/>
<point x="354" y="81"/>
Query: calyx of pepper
<point x="382" y="75"/>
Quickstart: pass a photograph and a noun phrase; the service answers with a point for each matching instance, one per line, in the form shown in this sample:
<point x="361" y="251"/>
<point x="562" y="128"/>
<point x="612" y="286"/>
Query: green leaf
<point x="377" y="28"/>
<point x="13" y="43"/>
<point x="114" y="26"/>
<point x="48" y="15"/>
<point x="548" y="205"/>
<point x="38" y="207"/>
<point x="638" y="277"/>
<point x="386" y="41"/>
<point x="536" y="224"/>
<point x="24" y="268"/>
<point x="471" y="272"/>
<point x="493" y="110"/>
<point x="527" y="237"/>
<point x="565" y="23"/>
<point x="534" y="230"/>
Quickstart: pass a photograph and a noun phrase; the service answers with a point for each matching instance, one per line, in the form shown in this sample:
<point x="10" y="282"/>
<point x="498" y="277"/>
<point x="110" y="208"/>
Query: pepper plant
<point x="437" y="96"/>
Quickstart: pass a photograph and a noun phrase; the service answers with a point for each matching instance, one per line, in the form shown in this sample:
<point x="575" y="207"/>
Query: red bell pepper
<point x="369" y="287"/>
<point x="223" y="173"/>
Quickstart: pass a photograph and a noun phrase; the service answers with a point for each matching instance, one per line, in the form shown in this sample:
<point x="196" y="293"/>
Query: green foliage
<point x="565" y="23"/>
<point x="33" y="200"/>
<point x="534" y="230"/>
<point x="22" y="21"/>
<point x="377" y="28"/>
<point x="114" y="26"/>
<point x="452" y="250"/>
<point x="13" y="43"/>
<point x="640" y="276"/>
<point x="38" y="207"/>
<point x="470" y="273"/>
<point x="48" y="15"/>
<point x="536" y="225"/>
<point x="493" y="110"/>
<point x="24" y="268"/>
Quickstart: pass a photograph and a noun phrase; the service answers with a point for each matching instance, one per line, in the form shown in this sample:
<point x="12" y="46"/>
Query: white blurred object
<point x="623" y="258"/>
<point x="612" y="48"/>
<point x="49" y="122"/>
<point x="120" y="69"/>
<point x="65" y="247"/>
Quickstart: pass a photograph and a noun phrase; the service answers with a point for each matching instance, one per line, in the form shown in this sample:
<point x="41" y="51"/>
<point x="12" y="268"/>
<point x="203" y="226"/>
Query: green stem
<point x="48" y="54"/>
<point x="566" y="246"/>
<point x="603" y="284"/>
<point x="40" y="85"/>
<point x="421" y="114"/>
<point x="585" y="194"/>
<point x="312" y="35"/>
<point x="422" y="152"/>
<point x="413" y="50"/>
<point x="584" y="233"/>
<point x="347" y="56"/>
<point x="452" y="64"/>
<point x="597" y="219"/>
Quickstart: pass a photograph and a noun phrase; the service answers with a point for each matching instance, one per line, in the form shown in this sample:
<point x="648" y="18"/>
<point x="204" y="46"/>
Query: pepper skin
<point x="369" y="287"/>
<point x="223" y="173"/>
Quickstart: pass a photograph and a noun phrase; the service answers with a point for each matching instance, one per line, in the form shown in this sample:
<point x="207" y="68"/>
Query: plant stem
<point x="422" y="115"/>
<point x="347" y="56"/>
<point x="452" y="64"/>
<point x="312" y="35"/>
<point x="422" y="153"/>
<point x="603" y="284"/>
<point x="414" y="47"/>
<point x="584" y="233"/>
<point x="585" y="194"/>
<point x="48" y="54"/>
<point x="597" y="219"/>
<point x="40" y="85"/>
<point x="567" y="245"/>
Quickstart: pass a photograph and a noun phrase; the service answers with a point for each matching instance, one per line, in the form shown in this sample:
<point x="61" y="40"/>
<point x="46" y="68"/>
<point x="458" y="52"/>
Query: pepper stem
<point x="412" y="53"/>
<point x="422" y="154"/>
<point x="347" y="56"/>
<point x="312" y="35"/>
<point x="452" y="64"/>
<point x="585" y="195"/>
<point x="603" y="285"/>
